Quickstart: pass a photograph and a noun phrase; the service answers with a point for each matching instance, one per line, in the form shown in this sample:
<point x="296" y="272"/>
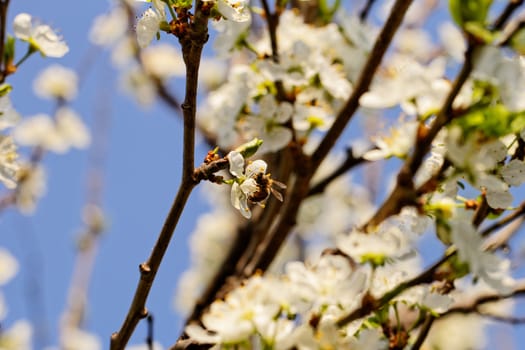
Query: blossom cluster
<point x="292" y="101"/>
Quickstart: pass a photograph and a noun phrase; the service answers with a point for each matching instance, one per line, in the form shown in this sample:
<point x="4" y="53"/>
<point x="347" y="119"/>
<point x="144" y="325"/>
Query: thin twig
<point x="365" y="79"/>
<point x="423" y="332"/>
<point x="349" y="163"/>
<point x="3" y="23"/>
<point x="476" y="303"/>
<point x="502" y="238"/>
<point x="504" y="319"/>
<point x="150" y="337"/>
<point x="426" y="276"/>
<point x="363" y="14"/>
<point x="518" y="213"/>
<point x="404" y="192"/>
<point x="512" y="5"/>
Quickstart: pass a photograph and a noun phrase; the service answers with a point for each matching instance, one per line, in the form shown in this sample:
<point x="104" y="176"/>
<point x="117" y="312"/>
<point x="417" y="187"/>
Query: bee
<point x="265" y="186"/>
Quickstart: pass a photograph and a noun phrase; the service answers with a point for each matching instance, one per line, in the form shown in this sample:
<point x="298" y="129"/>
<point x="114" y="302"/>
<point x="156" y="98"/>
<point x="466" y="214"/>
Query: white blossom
<point x="9" y="166"/>
<point x="149" y="24"/>
<point x="331" y="281"/>
<point x="137" y="83"/>
<point x="31" y="188"/>
<point x="56" y="82"/>
<point x="163" y="61"/>
<point x="40" y="36"/>
<point x="397" y="144"/>
<point x="246" y="185"/>
<point x="58" y="135"/>
<point x="78" y="339"/>
<point x="268" y="125"/>
<point x="507" y="74"/>
<point x="8" y="266"/>
<point x="108" y="28"/>
<point x="234" y="10"/>
<point x="8" y="115"/>
<point x="17" y="337"/>
<point x="453" y="41"/>
<point x="493" y="270"/>
<point x="514" y="172"/>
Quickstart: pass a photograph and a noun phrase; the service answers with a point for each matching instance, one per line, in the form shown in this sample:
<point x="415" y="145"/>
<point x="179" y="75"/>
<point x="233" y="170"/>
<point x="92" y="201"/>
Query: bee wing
<point x="278" y="184"/>
<point x="277" y="195"/>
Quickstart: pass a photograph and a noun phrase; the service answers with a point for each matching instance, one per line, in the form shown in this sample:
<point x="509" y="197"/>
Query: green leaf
<point x="187" y="4"/>
<point x="517" y="41"/>
<point x="327" y="11"/>
<point x="493" y="121"/>
<point x="9" y="49"/>
<point x="5" y="89"/>
<point x="249" y="148"/>
<point x="465" y="11"/>
<point x="479" y="31"/>
<point x="459" y="268"/>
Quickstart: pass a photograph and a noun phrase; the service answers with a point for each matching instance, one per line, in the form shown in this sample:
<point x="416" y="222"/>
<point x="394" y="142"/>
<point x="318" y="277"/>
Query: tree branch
<point x="192" y="43"/>
<point x="349" y="163"/>
<point x="423" y="332"/>
<point x="3" y="23"/>
<point x="365" y="79"/>
<point x="473" y="305"/>
<point x="512" y="6"/>
<point x="517" y="214"/>
<point x="363" y="14"/>
<point x="373" y="304"/>
<point x="404" y="192"/>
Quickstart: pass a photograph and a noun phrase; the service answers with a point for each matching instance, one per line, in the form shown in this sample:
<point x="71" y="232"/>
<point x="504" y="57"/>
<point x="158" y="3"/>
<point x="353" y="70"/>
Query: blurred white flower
<point x="138" y="84"/>
<point x="40" y="36"/>
<point x="268" y="125"/>
<point x="492" y="269"/>
<point x="458" y="332"/>
<point x="8" y="115"/>
<point x="163" y="61"/>
<point x="453" y="40"/>
<point x="232" y="320"/>
<point x="8" y="165"/>
<point x="369" y="339"/>
<point x="234" y="10"/>
<point x="212" y="73"/>
<point x="17" y="337"/>
<point x="514" y="172"/>
<point x="31" y="188"/>
<point x="8" y="266"/>
<point x="228" y="35"/>
<point x="507" y="74"/>
<point x="77" y="339"/>
<point x="397" y="144"/>
<point x="56" y="82"/>
<point x="424" y="296"/>
<point x="389" y="242"/>
<point x="108" y="28"/>
<point x="58" y="135"/>
<point x="403" y="80"/>
<point x="415" y="42"/>
<point x="331" y="281"/>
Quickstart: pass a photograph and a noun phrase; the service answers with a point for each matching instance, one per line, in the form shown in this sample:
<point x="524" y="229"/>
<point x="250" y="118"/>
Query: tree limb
<point x="192" y="44"/>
